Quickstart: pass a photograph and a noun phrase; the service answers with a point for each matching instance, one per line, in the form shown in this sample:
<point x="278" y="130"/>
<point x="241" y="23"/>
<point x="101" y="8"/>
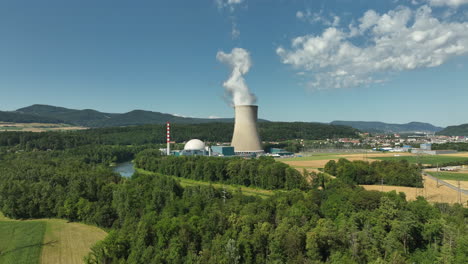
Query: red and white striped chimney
<point x="168" y="126"/>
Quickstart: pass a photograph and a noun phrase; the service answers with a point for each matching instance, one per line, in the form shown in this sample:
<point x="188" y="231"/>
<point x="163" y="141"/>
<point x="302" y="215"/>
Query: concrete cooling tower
<point x="245" y="138"/>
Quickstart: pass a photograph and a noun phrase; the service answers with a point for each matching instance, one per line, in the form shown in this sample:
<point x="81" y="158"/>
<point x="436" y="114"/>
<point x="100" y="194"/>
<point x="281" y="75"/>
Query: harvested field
<point x="463" y="184"/>
<point x="74" y="241"/>
<point x="432" y="191"/>
<point x="459" y="154"/>
<point x="319" y="160"/>
<point x="37" y="127"/>
<point x="61" y="241"/>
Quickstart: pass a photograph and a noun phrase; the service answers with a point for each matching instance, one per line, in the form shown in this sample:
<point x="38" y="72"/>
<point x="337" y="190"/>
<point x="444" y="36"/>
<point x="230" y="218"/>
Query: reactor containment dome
<point x="194" y="144"/>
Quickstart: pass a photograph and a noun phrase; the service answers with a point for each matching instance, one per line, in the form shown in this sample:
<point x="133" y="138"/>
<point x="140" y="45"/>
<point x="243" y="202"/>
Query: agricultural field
<point x="21" y="241"/>
<point x="314" y="161"/>
<point x="452" y="176"/>
<point x="46" y="241"/>
<point x="427" y="159"/>
<point x="37" y="127"/>
<point x="432" y="191"/>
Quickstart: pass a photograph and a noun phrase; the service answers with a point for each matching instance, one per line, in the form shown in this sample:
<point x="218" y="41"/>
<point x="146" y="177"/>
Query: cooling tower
<point x="245" y="137"/>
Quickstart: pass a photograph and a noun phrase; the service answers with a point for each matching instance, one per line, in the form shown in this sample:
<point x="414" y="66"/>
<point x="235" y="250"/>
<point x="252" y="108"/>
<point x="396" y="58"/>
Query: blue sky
<point x="390" y="61"/>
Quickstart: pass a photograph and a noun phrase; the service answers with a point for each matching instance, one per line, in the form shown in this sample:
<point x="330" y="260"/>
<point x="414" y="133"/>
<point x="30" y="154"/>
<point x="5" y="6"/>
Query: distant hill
<point x="15" y="117"/>
<point x="381" y="127"/>
<point x="461" y="130"/>
<point x="93" y="118"/>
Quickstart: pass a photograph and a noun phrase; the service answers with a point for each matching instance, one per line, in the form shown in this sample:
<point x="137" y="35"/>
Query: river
<point x="125" y="169"/>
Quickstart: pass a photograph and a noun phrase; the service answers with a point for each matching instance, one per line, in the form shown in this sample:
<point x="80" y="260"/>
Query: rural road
<point x="445" y="183"/>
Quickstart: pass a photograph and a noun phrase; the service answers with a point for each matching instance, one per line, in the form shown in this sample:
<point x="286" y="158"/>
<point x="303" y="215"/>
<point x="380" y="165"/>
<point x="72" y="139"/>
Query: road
<point x="445" y="183"/>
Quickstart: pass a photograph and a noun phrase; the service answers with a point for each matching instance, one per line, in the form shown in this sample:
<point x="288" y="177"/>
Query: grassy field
<point x="51" y="241"/>
<point x="430" y="159"/>
<point x="21" y="242"/>
<point x="71" y="241"/>
<point x="232" y="188"/>
<point x="453" y="176"/>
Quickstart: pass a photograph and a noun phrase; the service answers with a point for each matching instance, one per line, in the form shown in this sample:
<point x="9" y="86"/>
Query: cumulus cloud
<point x="451" y="3"/>
<point x="318" y="17"/>
<point x="239" y="61"/>
<point x="368" y="51"/>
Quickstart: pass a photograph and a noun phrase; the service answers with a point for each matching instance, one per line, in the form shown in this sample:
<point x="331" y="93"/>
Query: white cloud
<point x="400" y="40"/>
<point x="318" y="17"/>
<point x="451" y="3"/>
<point x="231" y="4"/>
<point x="213" y="117"/>
<point x="299" y="15"/>
<point x="239" y="61"/>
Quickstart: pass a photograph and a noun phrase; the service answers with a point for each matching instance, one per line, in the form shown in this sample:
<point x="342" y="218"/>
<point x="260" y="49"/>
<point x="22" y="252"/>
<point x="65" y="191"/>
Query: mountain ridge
<point x="382" y="127"/>
<point x="94" y="118"/>
<point x="41" y="113"/>
<point x="459" y="130"/>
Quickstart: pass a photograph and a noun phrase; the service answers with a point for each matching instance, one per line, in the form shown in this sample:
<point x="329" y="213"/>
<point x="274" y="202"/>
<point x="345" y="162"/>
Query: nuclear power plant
<point x="245" y="139"/>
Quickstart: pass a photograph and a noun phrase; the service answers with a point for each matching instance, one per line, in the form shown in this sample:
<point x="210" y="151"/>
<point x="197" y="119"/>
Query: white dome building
<point x="194" y="144"/>
<point x="194" y="147"/>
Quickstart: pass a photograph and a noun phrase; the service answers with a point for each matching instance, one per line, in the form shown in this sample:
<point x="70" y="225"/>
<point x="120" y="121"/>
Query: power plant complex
<point x="245" y="139"/>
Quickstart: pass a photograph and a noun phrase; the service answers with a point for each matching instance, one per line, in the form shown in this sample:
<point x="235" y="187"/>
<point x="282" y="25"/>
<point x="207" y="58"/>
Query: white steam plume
<point x="236" y="88"/>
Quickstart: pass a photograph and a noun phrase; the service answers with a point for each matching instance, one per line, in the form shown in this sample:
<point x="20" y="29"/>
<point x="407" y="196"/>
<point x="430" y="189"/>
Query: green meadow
<point x="21" y="241"/>
<point x="451" y="176"/>
<point x="432" y="160"/>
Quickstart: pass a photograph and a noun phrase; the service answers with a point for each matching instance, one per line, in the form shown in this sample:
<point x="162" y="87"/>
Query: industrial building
<point x="222" y="151"/>
<point x="277" y="152"/>
<point x="427" y="149"/>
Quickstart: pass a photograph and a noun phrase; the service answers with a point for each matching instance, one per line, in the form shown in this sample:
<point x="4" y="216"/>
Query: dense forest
<point x="339" y="224"/>
<point x="26" y="118"/>
<point x="263" y="172"/>
<point x="155" y="134"/>
<point x="400" y="173"/>
<point x="152" y="218"/>
<point x="451" y="145"/>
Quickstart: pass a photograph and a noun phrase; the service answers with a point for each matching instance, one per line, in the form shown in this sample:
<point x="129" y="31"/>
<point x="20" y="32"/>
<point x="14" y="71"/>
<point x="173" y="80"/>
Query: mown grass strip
<point x="21" y="241"/>
<point x="451" y="176"/>
<point x="233" y="188"/>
